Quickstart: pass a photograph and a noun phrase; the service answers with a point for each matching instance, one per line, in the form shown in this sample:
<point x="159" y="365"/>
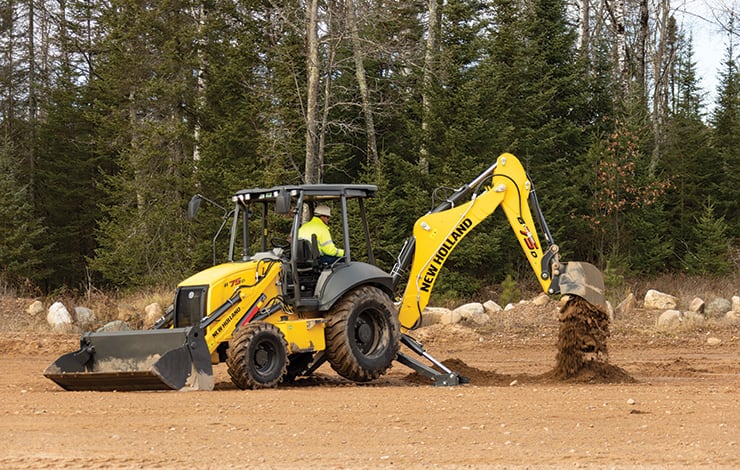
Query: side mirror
<point x="193" y="206"/>
<point x="282" y="202"/>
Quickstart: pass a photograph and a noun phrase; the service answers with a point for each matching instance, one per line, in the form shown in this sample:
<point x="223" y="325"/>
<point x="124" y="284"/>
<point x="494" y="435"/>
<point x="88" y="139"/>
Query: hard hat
<point x="322" y="209"/>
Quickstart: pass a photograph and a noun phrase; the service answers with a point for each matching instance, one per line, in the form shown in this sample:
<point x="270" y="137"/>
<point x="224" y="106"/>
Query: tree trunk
<point x="359" y="56"/>
<point x="662" y="63"/>
<point x="584" y="30"/>
<point x="616" y="14"/>
<point x="313" y="157"/>
<point x="642" y="40"/>
<point x="32" y="102"/>
<point x="200" y="100"/>
<point x="430" y="58"/>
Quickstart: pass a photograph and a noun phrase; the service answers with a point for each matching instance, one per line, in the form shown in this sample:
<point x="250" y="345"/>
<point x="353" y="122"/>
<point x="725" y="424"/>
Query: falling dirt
<point x="582" y="337"/>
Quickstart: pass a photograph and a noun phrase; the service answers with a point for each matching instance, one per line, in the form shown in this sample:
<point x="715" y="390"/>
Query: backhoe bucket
<point x="167" y="359"/>
<point x="585" y="281"/>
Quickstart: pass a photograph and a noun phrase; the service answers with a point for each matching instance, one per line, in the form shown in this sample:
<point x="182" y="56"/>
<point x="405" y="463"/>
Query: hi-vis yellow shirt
<point x="323" y="236"/>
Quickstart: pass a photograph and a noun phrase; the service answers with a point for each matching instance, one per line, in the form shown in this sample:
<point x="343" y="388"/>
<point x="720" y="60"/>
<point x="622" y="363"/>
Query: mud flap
<point x="170" y="359"/>
<point x="585" y="281"/>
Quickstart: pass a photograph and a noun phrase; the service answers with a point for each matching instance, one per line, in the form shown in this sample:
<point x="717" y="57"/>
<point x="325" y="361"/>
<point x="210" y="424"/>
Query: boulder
<point x="433" y="315"/>
<point x="492" y="307"/>
<point x="59" y="318"/>
<point x="36" y="308"/>
<point x="669" y="318"/>
<point x="450" y="317"/>
<point x="736" y="303"/>
<point x="468" y="310"/>
<point x="115" y="325"/>
<point x="732" y="316"/>
<point x="479" y="318"/>
<point x="85" y="317"/>
<point x="541" y="300"/>
<point x="717" y="308"/>
<point x="153" y="312"/>
<point x="659" y="301"/>
<point x="697" y="305"/>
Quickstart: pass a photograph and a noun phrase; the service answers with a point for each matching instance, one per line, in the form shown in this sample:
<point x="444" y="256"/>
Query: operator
<point x="318" y="226"/>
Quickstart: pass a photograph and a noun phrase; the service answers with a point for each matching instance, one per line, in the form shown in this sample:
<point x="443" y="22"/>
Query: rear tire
<point x="362" y="334"/>
<point x="257" y="356"/>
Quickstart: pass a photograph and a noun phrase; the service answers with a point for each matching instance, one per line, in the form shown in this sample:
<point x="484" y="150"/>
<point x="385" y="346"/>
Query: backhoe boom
<point x="438" y="233"/>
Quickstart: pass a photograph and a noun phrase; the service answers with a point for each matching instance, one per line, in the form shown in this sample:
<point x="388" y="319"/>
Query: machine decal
<point x="529" y="240"/>
<point x="226" y="322"/>
<point x="441" y="255"/>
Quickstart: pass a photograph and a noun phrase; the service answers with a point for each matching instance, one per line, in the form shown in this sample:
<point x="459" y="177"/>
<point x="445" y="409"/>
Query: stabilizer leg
<point x="443" y="379"/>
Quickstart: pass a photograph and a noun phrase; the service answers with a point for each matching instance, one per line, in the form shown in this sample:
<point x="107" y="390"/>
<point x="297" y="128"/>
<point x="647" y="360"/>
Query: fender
<point x="334" y="284"/>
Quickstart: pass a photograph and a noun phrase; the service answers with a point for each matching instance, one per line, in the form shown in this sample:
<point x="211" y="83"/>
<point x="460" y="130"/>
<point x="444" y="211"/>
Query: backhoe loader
<point x="273" y="312"/>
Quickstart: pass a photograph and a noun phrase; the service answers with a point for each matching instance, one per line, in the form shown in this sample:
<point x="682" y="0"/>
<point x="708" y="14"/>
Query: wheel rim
<point x="368" y="332"/>
<point x="265" y="358"/>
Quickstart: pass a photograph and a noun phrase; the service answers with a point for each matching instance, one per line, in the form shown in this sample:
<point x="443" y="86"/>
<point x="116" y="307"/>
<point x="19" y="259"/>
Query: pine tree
<point x="143" y="124"/>
<point x="688" y="160"/>
<point x="725" y="142"/>
<point x="711" y="249"/>
<point x="22" y="248"/>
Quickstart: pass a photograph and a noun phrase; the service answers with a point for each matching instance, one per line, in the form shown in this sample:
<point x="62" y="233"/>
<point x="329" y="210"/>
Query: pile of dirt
<point x="582" y="355"/>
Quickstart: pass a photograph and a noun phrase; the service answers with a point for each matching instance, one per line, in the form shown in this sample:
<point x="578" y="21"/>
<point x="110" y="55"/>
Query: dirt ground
<point x="663" y="400"/>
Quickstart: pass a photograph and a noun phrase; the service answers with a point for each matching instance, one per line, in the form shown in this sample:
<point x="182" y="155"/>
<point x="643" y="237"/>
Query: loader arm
<point x="438" y="233"/>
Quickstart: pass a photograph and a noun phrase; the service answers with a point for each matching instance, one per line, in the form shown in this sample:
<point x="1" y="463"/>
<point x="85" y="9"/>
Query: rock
<point x="626" y="306"/>
<point x="712" y="341"/>
<point x="660" y="301"/>
<point x="541" y="300"/>
<point x="153" y="312"/>
<point x="35" y="308"/>
<point x="696" y="305"/>
<point x="59" y="318"/>
<point x="669" y="318"/>
<point x="717" y="308"/>
<point x="115" y="325"/>
<point x="450" y="317"/>
<point x="85" y="317"/>
<point x="732" y="317"/>
<point x="479" y="318"/>
<point x="492" y="307"/>
<point x="736" y="303"/>
<point x="468" y="310"/>
<point x="433" y="315"/>
<point x="508" y="307"/>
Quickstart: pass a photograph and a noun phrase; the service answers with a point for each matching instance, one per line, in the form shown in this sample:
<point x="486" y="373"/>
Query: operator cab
<point x="275" y="214"/>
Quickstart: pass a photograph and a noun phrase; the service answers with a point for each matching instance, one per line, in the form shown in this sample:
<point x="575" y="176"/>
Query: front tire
<point x="257" y="356"/>
<point x="362" y="334"/>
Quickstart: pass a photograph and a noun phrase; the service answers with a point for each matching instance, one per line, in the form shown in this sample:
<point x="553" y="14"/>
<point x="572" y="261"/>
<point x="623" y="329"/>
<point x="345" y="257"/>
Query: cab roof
<point x="309" y="191"/>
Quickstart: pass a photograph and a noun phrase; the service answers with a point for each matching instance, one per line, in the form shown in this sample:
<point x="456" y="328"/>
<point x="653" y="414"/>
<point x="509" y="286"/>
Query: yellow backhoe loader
<point x="276" y="313"/>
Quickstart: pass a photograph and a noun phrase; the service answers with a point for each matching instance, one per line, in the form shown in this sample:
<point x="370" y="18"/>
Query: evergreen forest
<point x="114" y="113"/>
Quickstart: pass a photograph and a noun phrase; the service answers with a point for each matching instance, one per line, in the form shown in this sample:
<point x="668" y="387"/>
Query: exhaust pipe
<point x="168" y="359"/>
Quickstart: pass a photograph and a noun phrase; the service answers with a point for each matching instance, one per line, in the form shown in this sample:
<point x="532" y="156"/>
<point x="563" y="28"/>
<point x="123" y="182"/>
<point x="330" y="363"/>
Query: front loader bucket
<point x="585" y="281"/>
<point x="167" y="359"/>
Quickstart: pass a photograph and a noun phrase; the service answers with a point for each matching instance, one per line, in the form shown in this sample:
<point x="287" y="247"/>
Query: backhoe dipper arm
<point x="439" y="232"/>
